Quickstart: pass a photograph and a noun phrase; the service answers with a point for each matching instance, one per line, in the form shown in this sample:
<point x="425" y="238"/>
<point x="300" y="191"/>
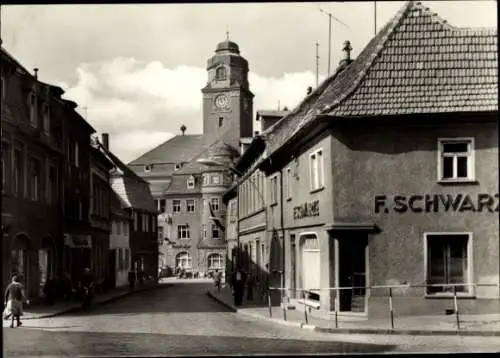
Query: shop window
<point x="190" y="206"/>
<point x="214" y="203"/>
<point x="448" y="262"/>
<point x="215" y="232"/>
<point x="316" y="169"/>
<point x="183" y="260"/>
<point x="190" y="182"/>
<point x="274" y="189"/>
<point x="456" y="159"/>
<point x="176" y="206"/>
<point x="215" y="262"/>
<point x="183" y="232"/>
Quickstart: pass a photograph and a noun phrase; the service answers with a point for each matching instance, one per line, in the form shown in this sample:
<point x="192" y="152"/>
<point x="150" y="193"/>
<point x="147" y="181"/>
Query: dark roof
<point x="180" y="148"/>
<point x="178" y="185"/>
<point x="134" y="192"/>
<point x="416" y="64"/>
<point x="227" y="46"/>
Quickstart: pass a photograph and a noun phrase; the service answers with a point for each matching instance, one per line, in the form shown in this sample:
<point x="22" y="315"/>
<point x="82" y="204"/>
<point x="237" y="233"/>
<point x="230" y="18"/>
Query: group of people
<point x="240" y="280"/>
<point x="135" y="276"/>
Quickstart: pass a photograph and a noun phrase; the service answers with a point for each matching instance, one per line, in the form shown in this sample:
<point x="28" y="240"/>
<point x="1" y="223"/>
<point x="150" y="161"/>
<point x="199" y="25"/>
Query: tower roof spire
<point x="227" y="35"/>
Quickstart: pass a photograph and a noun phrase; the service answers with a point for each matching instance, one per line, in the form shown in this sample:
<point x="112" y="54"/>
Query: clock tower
<point x="227" y="99"/>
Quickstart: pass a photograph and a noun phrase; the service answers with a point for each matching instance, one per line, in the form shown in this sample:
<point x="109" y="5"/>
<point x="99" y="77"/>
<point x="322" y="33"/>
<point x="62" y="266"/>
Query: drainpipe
<point x="283" y="240"/>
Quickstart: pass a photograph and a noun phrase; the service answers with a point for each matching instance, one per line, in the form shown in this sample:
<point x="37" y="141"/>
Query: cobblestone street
<point x="182" y="320"/>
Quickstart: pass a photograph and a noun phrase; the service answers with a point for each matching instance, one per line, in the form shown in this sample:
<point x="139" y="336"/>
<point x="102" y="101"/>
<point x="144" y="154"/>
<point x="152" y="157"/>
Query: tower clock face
<point x="221" y="101"/>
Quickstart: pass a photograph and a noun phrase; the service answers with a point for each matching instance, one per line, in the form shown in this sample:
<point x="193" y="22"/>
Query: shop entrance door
<point x="352" y="272"/>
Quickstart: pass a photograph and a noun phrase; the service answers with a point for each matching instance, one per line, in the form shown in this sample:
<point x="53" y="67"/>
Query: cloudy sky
<point x="139" y="68"/>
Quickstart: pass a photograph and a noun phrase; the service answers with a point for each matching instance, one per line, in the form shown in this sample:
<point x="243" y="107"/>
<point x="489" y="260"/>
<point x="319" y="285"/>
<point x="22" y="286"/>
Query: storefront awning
<point x="353" y="226"/>
<point x="78" y="241"/>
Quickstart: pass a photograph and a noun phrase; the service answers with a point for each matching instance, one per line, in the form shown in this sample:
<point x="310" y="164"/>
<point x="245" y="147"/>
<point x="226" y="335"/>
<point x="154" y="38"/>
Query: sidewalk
<point x="470" y="325"/>
<point x="45" y="311"/>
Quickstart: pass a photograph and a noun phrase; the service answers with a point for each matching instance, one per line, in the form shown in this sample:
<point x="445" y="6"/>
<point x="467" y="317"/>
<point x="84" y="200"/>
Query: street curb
<point x="77" y="307"/>
<point x="379" y="331"/>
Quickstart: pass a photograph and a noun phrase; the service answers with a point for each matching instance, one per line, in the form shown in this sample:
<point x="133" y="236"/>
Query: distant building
<point x="184" y="189"/>
<point x="119" y="243"/>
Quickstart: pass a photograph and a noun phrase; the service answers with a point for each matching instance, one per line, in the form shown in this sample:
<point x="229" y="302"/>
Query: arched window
<point x="183" y="260"/>
<point x="220" y="74"/>
<point x="215" y="261"/>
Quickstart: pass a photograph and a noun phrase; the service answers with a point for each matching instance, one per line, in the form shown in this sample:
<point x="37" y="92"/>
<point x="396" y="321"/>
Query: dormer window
<point x="177" y="166"/>
<point x="147" y="168"/>
<point x="220" y="74"/>
<point x="46" y="118"/>
<point x="190" y="182"/>
<point x="32" y="109"/>
<point x="221" y="121"/>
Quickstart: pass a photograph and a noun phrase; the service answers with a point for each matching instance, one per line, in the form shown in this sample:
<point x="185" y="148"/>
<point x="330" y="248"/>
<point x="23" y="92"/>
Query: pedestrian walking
<point x="250" y="286"/>
<point x="132" y="277"/>
<point x="87" y="283"/>
<point x="218" y="280"/>
<point x="238" y="284"/>
<point x="14" y="297"/>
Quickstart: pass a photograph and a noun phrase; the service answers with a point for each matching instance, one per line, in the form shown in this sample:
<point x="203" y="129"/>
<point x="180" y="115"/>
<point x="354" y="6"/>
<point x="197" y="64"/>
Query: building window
<point x="190" y="206"/>
<point x="145" y="222"/>
<point x="52" y="185"/>
<point x="221" y="121"/>
<point x="176" y="206"/>
<point x="18" y="167"/>
<point x="177" y="167"/>
<point x="215" y="262"/>
<point x="448" y="262"/>
<point x="288" y="183"/>
<point x="190" y="182"/>
<point x="32" y="108"/>
<point x="46" y="118"/>
<point x="35" y="180"/>
<point x="456" y="159"/>
<point x="77" y="155"/>
<point x="147" y="168"/>
<point x="233" y="209"/>
<point x="118" y="228"/>
<point x="136" y="221"/>
<point x="215" y="179"/>
<point x="183" y="232"/>
<point x="220" y="74"/>
<point x="316" y="169"/>
<point x="160" y="233"/>
<point x="162" y="205"/>
<point x="205" y="179"/>
<point x="5" y="169"/>
<point x="214" y="203"/>
<point x="183" y="260"/>
<point x="204" y="230"/>
<point x="215" y="232"/>
<point x="274" y="189"/>
<point x="125" y="228"/>
<point x="2" y="87"/>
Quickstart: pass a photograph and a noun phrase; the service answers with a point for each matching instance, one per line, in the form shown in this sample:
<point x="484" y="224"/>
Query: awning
<point x="353" y="226"/>
<point x="78" y="241"/>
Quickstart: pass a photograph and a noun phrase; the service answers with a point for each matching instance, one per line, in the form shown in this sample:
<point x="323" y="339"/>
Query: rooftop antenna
<point x="330" y="16"/>
<point x="317" y="63"/>
<point x="278" y="105"/>
<point x="375" y="17"/>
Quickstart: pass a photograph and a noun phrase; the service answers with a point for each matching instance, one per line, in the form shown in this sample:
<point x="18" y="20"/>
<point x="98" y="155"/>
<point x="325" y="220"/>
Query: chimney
<point x="183" y="129"/>
<point x="105" y="140"/>
<point x="36" y="73"/>
<point x="309" y="90"/>
<point x="347" y="50"/>
<point x="285" y="109"/>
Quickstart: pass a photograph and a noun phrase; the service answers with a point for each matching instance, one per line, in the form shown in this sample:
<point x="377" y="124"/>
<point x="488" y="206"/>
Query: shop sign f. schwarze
<point x="434" y="203"/>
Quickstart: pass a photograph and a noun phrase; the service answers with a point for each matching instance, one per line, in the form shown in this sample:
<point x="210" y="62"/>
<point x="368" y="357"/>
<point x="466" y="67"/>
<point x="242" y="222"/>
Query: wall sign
<point x="434" y="203"/>
<point x="306" y="209"/>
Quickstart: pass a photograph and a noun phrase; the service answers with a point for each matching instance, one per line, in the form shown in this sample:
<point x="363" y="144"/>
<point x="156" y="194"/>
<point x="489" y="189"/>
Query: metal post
<point x="317" y="64"/>
<point x="456" y="306"/>
<point x="238" y="255"/>
<point x="269" y="302"/>
<point x="283" y="304"/>
<point x="375" y="18"/>
<point x="391" y="311"/>
<point x="336" y="309"/>
<point x="329" y="41"/>
<point x="305" y="307"/>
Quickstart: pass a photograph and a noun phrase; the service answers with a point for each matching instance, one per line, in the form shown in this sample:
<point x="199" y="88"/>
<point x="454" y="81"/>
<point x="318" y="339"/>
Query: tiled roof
<point x="180" y="148"/>
<point x="416" y="64"/>
<point x="271" y="113"/>
<point x="178" y="185"/>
